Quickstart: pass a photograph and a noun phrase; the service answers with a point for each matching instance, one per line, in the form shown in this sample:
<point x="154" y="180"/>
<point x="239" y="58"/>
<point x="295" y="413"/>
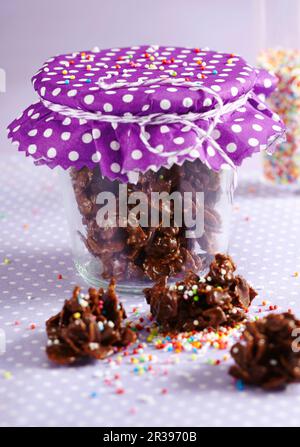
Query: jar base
<point x="85" y="270"/>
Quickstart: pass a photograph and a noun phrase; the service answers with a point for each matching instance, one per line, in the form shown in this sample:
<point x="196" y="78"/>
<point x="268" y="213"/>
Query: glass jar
<point x="149" y="138"/>
<point x="180" y="231"/>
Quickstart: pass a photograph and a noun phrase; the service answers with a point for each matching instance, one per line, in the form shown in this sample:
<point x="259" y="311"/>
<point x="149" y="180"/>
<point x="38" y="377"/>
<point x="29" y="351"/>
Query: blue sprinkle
<point x="240" y="385"/>
<point x="67" y="81"/>
<point x="215" y="72"/>
<point x="101" y="326"/>
<point x="93" y="394"/>
<point x="88" y="80"/>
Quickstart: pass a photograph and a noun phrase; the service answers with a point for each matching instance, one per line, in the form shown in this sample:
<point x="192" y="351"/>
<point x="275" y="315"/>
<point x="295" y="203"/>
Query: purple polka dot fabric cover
<point x="133" y="89"/>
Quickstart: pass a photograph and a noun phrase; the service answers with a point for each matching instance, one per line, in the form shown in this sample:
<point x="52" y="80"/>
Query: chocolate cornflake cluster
<point x="268" y="358"/>
<point x="88" y="326"/>
<point x="195" y="303"/>
<point x="137" y="252"/>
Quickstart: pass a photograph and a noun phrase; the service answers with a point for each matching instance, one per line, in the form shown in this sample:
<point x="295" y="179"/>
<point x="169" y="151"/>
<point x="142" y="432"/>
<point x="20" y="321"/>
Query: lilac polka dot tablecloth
<point x="158" y="388"/>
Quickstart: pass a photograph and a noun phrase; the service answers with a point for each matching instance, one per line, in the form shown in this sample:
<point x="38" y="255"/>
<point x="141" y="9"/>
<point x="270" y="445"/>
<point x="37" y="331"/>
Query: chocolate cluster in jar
<point x="137" y="252"/>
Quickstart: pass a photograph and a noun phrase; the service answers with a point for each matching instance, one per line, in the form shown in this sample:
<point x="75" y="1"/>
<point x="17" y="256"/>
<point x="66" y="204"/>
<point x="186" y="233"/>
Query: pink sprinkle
<point x="120" y="391"/>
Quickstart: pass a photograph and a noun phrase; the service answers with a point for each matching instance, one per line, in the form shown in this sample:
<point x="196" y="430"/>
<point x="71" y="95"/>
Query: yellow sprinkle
<point x="76" y="315"/>
<point x="72" y="77"/>
<point x="7" y="375"/>
<point x="64" y="72"/>
<point x="88" y="67"/>
<point x="152" y="58"/>
<point x="296" y="274"/>
<point x="6" y="261"/>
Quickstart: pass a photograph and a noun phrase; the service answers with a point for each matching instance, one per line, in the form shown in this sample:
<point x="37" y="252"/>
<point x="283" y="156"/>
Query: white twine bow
<point x="189" y="119"/>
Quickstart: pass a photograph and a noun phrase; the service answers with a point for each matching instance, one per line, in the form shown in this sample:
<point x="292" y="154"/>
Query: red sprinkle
<point x="120" y="391"/>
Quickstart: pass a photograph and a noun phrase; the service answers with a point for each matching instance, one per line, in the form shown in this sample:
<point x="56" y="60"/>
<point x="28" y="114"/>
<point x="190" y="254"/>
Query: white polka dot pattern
<point x="85" y="94"/>
<point x="33" y="236"/>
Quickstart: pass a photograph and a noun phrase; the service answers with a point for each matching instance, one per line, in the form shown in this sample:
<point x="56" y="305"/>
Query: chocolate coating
<point x="195" y="303"/>
<point x="88" y="326"/>
<point x="268" y="358"/>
